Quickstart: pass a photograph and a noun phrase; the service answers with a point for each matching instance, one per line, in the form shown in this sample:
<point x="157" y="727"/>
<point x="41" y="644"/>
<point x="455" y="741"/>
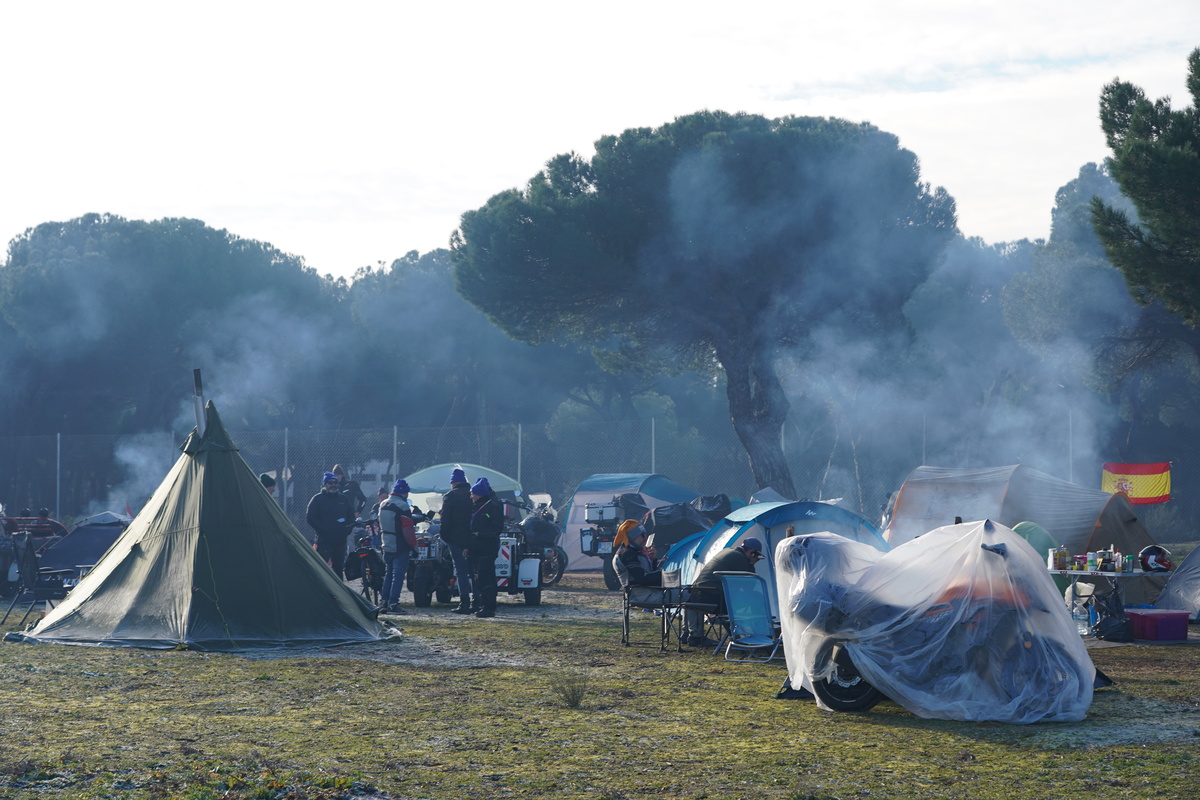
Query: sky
<point x="351" y="134"/>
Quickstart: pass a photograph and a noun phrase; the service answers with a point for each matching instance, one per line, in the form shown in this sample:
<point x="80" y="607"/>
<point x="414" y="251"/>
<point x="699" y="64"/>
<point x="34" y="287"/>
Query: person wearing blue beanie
<point x="331" y="515"/>
<point x="400" y="487"/>
<point x="487" y="523"/>
<point x="455" y="518"/>
<point x="706" y="587"/>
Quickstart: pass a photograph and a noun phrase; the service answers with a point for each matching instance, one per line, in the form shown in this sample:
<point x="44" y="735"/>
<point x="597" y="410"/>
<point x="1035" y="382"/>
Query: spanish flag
<point x="1144" y="483"/>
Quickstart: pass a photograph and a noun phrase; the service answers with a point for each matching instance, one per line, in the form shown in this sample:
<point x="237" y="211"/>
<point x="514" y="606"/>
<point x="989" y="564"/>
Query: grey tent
<point x="210" y="563"/>
<point x="1182" y="592"/>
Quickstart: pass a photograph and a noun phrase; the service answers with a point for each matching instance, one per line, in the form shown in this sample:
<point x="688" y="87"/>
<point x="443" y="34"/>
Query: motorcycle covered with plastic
<point x="963" y="623"/>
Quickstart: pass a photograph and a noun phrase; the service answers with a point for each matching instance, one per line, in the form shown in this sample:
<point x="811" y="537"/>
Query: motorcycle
<point x="539" y="530"/>
<point x="958" y="624"/>
<point x="431" y="569"/>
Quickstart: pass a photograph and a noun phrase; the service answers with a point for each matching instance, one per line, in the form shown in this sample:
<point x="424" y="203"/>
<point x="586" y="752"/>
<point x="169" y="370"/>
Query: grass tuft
<point x="570" y="687"/>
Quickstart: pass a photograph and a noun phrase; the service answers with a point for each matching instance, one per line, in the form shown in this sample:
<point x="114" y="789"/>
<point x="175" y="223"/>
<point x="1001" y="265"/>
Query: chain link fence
<point x="75" y="476"/>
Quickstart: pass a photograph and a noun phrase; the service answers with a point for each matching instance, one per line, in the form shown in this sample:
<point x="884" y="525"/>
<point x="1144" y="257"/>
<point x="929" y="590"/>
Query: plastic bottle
<point x="1091" y="562"/>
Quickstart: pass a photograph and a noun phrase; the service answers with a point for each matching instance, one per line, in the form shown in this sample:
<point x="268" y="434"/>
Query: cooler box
<point x="1158" y="624"/>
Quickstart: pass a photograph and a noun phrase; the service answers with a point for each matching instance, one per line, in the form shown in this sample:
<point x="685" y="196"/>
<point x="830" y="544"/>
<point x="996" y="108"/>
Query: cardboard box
<point x="1158" y="624"/>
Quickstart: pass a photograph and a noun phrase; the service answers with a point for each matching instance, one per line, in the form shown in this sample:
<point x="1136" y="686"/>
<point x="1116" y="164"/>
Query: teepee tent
<point x="210" y="563"/>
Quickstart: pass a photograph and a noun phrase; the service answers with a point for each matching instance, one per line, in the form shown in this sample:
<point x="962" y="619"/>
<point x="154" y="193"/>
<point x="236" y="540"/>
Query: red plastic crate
<point x="1158" y="624"/>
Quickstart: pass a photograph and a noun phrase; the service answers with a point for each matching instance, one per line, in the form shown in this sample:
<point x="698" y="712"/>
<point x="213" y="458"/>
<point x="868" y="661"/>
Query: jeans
<point x="462" y="574"/>
<point x="395" y="567"/>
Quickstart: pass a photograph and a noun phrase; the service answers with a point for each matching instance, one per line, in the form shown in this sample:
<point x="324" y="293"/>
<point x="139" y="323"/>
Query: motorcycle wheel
<point x="421" y="585"/>
<point x="610" y="575"/>
<point x="533" y="597"/>
<point x="845" y="689"/>
<point x="553" y="567"/>
<point x="442" y="593"/>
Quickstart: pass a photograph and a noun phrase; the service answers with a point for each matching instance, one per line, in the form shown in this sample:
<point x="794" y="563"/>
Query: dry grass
<point x="467" y="708"/>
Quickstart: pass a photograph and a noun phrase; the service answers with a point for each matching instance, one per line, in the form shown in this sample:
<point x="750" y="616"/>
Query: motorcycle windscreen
<point x="963" y="623"/>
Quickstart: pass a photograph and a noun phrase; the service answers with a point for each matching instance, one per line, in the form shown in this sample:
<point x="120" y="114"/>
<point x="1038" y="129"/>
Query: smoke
<point x="143" y="460"/>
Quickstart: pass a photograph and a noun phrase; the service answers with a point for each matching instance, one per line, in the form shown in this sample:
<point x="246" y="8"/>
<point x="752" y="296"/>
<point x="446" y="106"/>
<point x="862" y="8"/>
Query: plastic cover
<point x="962" y="623"/>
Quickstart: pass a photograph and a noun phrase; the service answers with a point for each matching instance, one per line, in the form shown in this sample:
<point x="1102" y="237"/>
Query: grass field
<point x="466" y="708"/>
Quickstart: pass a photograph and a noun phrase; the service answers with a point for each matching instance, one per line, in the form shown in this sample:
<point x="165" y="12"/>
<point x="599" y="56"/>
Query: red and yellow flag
<point x="1144" y="483"/>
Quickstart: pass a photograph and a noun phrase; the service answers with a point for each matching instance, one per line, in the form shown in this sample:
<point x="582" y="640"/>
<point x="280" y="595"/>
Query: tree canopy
<point x="719" y="238"/>
<point x="1156" y="161"/>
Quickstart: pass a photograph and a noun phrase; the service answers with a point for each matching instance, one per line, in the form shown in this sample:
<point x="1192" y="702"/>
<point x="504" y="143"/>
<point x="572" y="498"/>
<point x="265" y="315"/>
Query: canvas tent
<point x="1077" y="517"/>
<point x="1182" y="592"/>
<point x="210" y="563"/>
<point x="655" y="490"/>
<point x="428" y="485"/>
<point x="769" y="523"/>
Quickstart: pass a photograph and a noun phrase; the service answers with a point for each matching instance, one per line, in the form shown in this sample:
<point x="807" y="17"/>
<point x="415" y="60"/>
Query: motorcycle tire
<point x="421" y="586"/>
<point x="845" y="689"/>
<point x="610" y="575"/>
<point x="554" y="567"/>
<point x="533" y="597"/>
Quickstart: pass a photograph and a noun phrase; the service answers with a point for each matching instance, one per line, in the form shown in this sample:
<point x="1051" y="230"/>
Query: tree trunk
<point x="758" y="407"/>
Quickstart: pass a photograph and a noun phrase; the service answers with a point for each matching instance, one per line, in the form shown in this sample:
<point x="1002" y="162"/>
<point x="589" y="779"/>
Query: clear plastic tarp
<point x="962" y="623"/>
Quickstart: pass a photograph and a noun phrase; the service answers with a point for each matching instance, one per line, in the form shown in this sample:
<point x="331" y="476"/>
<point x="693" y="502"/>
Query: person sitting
<point x="706" y="588"/>
<point x="631" y="562"/>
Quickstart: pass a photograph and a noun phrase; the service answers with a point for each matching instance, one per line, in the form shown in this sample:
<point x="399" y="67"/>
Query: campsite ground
<point x="466" y="708"/>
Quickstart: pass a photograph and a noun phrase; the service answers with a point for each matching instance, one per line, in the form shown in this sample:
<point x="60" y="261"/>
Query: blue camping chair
<point x="753" y="631"/>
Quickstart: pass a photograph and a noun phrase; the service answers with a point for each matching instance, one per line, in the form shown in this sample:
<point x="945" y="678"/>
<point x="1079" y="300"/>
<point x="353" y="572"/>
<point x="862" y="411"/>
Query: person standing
<point x="332" y="518"/>
<point x="395" y="514"/>
<point x="456" y="533"/>
<point x="358" y="500"/>
<point x="487" y="523"/>
<point x="268" y="483"/>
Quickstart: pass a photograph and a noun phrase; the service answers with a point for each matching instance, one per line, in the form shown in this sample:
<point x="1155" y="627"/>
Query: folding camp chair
<point x="641" y="598"/>
<point x="752" y="629"/>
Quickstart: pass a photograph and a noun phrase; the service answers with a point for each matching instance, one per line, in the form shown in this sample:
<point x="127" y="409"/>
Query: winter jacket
<point x="456" y="516"/>
<point x="390" y="524"/>
<point x="331" y="516"/>
<point x="487" y="518"/>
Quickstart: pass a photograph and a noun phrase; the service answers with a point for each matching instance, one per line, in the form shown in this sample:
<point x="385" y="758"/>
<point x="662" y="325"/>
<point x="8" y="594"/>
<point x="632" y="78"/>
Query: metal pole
<point x="286" y="474"/>
<point x="518" y="452"/>
<point x="923" y="462"/>
<point x="395" y="453"/>
<point x="1070" y="442"/>
<point x="58" y="476"/>
<point x="653" y="448"/>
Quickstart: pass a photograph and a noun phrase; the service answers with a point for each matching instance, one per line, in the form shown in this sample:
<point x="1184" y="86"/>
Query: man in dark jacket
<point x="706" y="588"/>
<point x="332" y="517"/>
<point x="487" y="523"/>
<point x="456" y="533"/>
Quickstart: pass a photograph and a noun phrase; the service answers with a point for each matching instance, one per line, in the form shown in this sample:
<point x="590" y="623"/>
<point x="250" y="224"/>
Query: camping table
<point x="1113" y="578"/>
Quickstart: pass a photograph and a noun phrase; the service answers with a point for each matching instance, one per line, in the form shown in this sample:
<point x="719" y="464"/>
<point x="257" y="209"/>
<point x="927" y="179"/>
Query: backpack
<point x="409" y="530"/>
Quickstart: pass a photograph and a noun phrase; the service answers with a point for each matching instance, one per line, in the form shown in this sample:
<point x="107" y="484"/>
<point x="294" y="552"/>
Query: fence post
<point x="395" y="454"/>
<point x="58" y="475"/>
<point x="287" y="471"/>
<point x="518" y="452"/>
<point x="653" y="449"/>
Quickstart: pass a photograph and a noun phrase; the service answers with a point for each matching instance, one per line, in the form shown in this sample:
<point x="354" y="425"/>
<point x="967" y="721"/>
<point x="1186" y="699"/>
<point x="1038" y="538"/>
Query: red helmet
<point x="1155" y="559"/>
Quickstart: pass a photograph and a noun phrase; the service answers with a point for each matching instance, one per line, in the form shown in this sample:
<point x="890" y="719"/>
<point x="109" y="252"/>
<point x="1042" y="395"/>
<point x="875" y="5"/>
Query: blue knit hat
<point x="481" y="488"/>
<point x="458" y="476"/>
<point x="751" y="543"/>
<point x="329" y="477"/>
<point x="401" y="487"/>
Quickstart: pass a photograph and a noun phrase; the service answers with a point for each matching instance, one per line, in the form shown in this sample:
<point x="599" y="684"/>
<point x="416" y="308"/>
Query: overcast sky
<point x="352" y="133"/>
